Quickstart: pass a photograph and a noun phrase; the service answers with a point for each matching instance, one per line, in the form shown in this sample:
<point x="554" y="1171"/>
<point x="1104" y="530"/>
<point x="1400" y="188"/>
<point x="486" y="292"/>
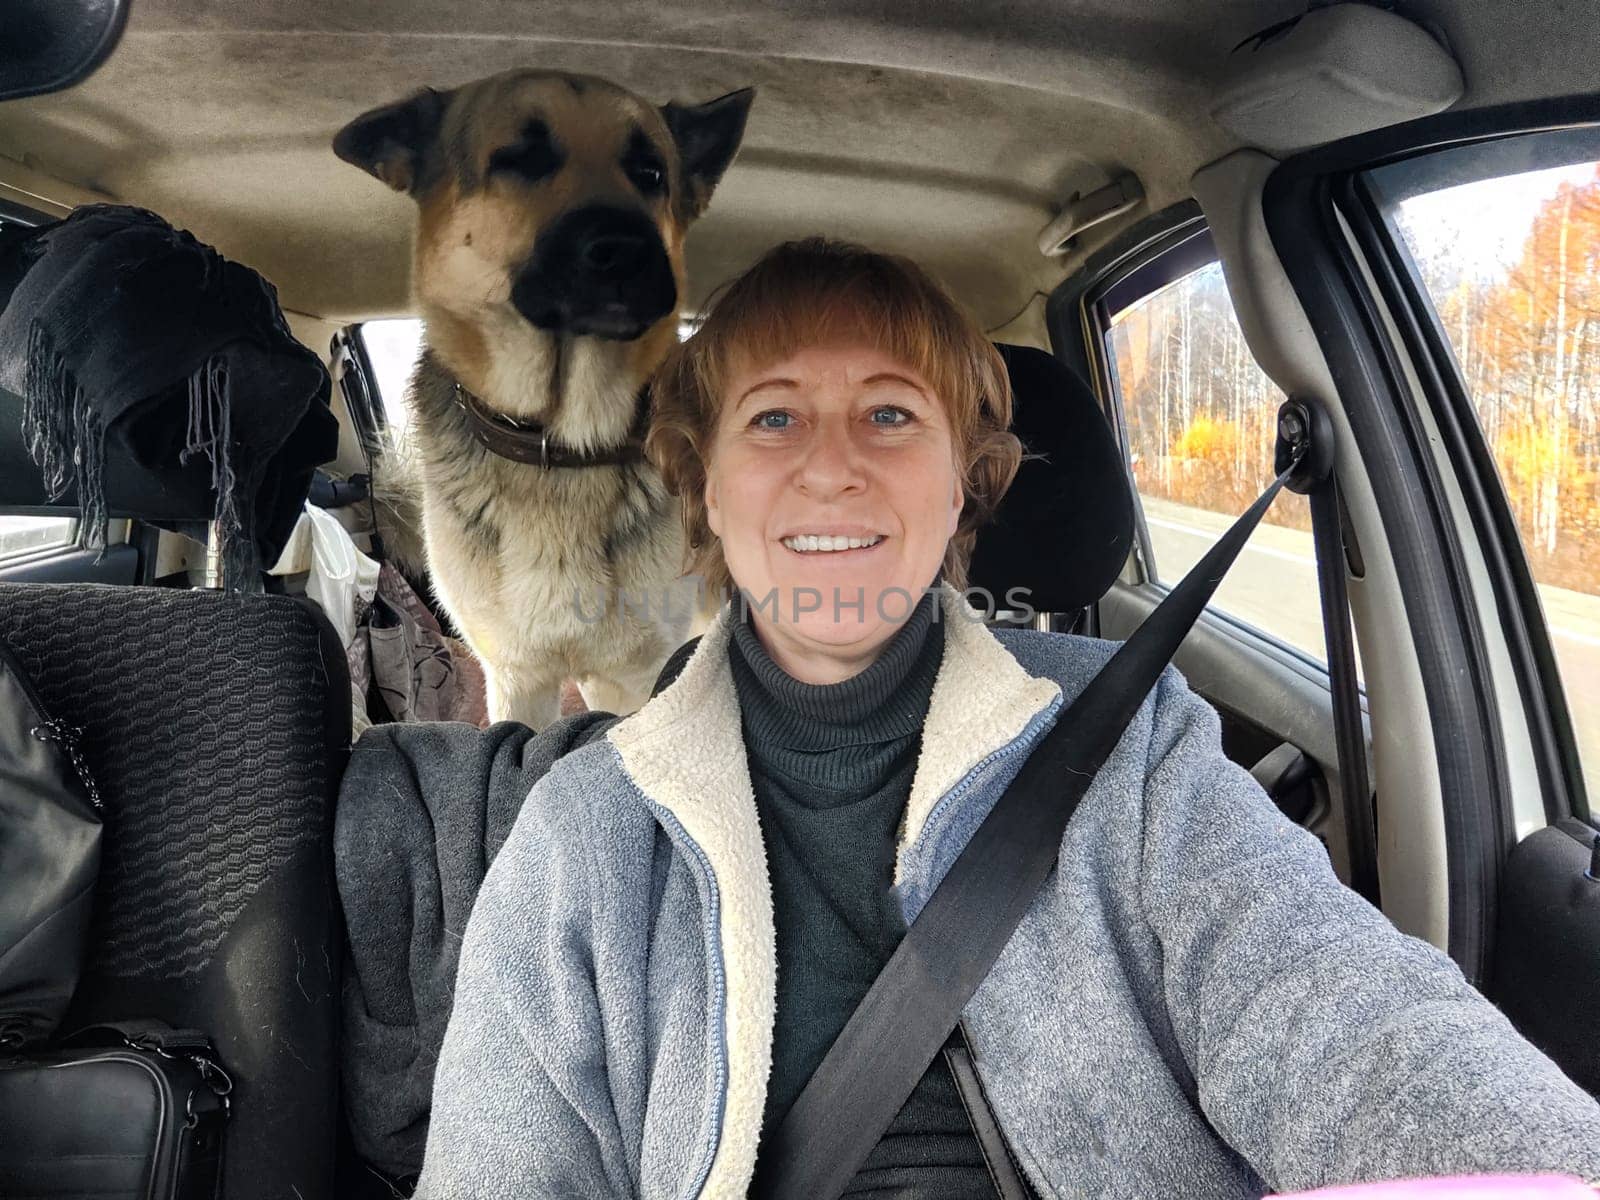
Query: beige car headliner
<point x="946" y="130"/>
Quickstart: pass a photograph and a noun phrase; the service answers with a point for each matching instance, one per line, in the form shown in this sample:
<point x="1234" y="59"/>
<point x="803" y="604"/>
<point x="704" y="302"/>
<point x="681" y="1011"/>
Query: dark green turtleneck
<point x="832" y="766"/>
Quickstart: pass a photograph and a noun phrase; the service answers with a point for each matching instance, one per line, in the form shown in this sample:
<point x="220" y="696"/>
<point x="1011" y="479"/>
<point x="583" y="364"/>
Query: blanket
<point x="423" y="809"/>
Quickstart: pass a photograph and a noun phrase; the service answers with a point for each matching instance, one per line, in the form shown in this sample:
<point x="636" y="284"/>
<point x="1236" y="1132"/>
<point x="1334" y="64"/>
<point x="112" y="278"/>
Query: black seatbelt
<point x="1327" y="531"/>
<point x="903" y="1021"/>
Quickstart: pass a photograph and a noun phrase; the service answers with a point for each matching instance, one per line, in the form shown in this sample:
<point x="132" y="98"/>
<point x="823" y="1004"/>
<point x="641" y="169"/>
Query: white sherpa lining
<point x="982" y="700"/>
<point x="685" y="751"/>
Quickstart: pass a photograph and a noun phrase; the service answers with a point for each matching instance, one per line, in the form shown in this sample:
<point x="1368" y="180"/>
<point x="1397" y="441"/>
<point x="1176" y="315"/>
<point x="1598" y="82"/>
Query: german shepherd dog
<point x="547" y="267"/>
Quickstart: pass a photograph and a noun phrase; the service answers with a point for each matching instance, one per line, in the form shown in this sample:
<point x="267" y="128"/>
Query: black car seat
<point x="1064" y="528"/>
<point x="217" y="728"/>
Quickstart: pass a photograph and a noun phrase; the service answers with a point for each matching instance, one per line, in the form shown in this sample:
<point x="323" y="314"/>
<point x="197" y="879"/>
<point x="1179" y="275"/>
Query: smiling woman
<point x="832" y="488"/>
<point x="837" y="429"/>
<point x="681" y="924"/>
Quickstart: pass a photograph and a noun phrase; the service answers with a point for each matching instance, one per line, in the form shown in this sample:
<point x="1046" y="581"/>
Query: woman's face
<point x="833" y="488"/>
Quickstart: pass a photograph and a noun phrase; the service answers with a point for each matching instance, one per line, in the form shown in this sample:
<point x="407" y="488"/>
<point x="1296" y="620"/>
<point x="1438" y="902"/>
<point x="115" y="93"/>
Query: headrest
<point x="180" y="494"/>
<point x="183" y="493"/>
<point x="1064" y="528"/>
<point x="158" y="380"/>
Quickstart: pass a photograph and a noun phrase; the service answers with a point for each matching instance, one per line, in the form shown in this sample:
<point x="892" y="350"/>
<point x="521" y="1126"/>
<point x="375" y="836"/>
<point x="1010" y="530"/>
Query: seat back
<point x="217" y="728"/>
<point x="1065" y="526"/>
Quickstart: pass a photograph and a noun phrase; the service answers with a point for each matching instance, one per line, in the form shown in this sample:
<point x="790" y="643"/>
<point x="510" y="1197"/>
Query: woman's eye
<point x="772" y="419"/>
<point x="888" y="414"/>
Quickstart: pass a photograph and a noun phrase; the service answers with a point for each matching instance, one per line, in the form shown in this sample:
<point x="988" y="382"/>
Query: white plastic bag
<point x="340" y="578"/>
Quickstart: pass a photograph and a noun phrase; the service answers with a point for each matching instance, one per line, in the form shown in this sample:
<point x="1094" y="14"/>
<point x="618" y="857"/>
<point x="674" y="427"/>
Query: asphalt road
<point x="1273" y="586"/>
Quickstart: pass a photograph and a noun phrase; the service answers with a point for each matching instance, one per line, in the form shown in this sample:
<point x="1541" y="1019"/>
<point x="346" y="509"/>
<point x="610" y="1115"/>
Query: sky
<point x="1483" y="224"/>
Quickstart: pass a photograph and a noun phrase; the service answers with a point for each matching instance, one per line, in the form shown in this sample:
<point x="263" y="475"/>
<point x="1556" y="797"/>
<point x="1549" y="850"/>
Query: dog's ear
<point x="708" y="137"/>
<point x="393" y="142"/>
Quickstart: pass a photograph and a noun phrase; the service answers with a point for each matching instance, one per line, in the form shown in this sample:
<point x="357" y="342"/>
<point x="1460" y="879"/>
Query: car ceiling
<point x="949" y="131"/>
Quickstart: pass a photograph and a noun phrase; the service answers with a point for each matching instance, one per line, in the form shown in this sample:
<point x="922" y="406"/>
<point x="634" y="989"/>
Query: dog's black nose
<point x="598" y="271"/>
<point x="612" y="255"/>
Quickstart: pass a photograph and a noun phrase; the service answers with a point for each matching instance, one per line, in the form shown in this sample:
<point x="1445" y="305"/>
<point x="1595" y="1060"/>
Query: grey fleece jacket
<point x="423" y="808"/>
<point x="1193" y="1005"/>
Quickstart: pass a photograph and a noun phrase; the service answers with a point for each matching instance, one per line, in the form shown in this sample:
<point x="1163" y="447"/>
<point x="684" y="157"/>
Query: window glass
<point x="1201" y="422"/>
<point x="22" y="537"/>
<point x="1513" y="267"/>
<point x="393" y="346"/>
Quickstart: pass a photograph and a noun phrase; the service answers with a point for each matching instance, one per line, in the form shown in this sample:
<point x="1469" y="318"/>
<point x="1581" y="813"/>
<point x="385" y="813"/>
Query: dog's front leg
<point x="533" y="698"/>
<point x="621" y="693"/>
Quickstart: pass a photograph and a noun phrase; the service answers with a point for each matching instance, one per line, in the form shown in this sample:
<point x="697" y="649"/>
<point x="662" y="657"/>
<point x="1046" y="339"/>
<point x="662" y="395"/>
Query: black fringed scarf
<point x="128" y="333"/>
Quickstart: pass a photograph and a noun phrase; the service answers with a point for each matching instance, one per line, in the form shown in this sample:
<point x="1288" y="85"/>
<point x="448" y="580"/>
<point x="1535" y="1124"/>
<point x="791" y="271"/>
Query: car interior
<point x="1172" y="217"/>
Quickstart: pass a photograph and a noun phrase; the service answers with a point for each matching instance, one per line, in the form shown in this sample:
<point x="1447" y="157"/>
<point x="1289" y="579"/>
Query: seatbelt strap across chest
<point x="917" y="999"/>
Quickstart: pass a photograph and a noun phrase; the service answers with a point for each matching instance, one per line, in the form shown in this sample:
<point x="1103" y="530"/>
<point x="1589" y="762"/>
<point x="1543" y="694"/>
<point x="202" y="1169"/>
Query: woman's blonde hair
<point x="822" y="292"/>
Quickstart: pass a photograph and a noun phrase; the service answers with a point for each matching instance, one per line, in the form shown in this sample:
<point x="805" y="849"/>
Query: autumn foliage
<point x="1528" y="345"/>
<point x="1201" y="416"/>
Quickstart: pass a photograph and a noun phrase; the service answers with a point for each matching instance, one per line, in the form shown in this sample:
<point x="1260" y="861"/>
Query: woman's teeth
<point x="808" y="543"/>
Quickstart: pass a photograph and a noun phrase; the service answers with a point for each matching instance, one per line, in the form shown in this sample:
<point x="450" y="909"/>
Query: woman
<point x="689" y="909"/>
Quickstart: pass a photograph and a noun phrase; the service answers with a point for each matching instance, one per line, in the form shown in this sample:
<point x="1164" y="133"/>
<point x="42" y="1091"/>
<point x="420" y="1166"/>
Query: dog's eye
<point x="648" y="177"/>
<point x="532" y="159"/>
<point x="531" y="163"/>
<point x="643" y="166"/>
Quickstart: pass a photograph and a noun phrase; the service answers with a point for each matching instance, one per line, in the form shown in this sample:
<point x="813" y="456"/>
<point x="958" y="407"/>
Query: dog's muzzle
<point x="597" y="272"/>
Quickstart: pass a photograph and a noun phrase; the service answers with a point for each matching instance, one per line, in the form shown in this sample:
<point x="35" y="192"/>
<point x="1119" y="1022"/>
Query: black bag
<point x="138" y="1118"/>
<point x="50" y="833"/>
<point x="131" y="1110"/>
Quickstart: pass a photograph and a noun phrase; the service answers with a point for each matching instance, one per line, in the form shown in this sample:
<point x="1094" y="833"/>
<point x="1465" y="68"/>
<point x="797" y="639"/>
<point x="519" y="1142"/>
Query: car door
<point x="1150" y="322"/>
<point x="1438" y="286"/>
<point x="1467" y="250"/>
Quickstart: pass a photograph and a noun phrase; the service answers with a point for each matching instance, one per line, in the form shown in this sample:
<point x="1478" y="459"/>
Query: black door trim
<point x="1528" y="641"/>
<point x="1301" y="205"/>
<point x="1446" y="130"/>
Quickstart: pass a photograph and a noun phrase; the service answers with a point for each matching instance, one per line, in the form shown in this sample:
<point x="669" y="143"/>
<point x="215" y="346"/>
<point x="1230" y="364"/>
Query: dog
<point x="548" y="268"/>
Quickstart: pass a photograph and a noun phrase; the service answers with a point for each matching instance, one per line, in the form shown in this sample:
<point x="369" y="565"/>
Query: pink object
<point x="1460" y="1188"/>
<point x="1464" y="1187"/>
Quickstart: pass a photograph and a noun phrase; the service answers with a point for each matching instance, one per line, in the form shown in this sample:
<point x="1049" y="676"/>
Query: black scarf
<point x="124" y="330"/>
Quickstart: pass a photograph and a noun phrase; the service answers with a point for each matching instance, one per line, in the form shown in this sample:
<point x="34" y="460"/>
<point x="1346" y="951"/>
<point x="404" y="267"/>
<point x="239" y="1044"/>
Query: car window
<point x="1199" y="421"/>
<point x="1512" y="266"/>
<point x="392" y="348"/>
<point x="24" y="537"/>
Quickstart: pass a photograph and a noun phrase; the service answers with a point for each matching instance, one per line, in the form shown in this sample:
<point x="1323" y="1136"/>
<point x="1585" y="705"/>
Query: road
<point x="1273" y="586"/>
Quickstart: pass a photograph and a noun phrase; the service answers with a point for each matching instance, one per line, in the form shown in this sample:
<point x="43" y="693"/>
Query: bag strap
<point x="141" y="1033"/>
<point x="917" y="999"/>
<point x="157" y="1037"/>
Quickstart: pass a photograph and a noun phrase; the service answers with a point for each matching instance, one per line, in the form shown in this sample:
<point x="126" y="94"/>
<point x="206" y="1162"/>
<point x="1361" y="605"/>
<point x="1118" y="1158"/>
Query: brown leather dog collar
<point x="530" y="442"/>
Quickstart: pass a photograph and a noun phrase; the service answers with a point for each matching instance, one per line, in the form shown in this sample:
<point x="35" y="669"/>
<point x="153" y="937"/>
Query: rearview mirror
<point x="47" y="45"/>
